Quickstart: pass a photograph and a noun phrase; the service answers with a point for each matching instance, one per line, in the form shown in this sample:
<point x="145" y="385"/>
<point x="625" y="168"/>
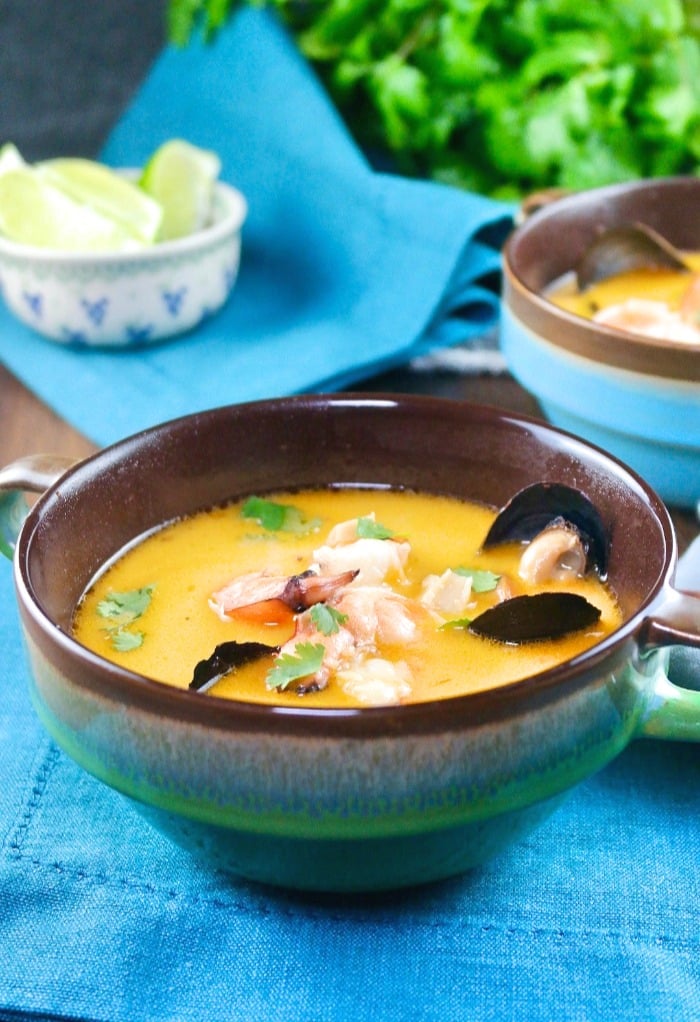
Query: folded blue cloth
<point x="595" y="917"/>
<point x="344" y="271"/>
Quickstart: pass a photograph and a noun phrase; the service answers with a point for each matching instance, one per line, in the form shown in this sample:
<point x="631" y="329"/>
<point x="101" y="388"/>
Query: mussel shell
<point x="535" y="507"/>
<point x="548" y="615"/>
<point x="623" y="249"/>
<point x="227" y="657"/>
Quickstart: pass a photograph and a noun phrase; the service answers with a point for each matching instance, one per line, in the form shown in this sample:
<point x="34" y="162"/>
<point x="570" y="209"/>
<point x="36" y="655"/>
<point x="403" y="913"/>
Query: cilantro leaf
<point x="501" y="98"/>
<point x="482" y="581"/>
<point x="266" y="513"/>
<point x="305" y="660"/>
<point x="122" y="609"/>
<point x="275" y="517"/>
<point x="367" y="528"/>
<point x="327" y="619"/>
<point x="126" y="607"/>
<point x="455" y="623"/>
<point x="124" y="640"/>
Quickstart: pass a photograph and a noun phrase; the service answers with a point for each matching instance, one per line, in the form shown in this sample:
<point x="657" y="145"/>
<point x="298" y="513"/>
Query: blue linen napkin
<point x="345" y="271"/>
<point x="595" y="917"/>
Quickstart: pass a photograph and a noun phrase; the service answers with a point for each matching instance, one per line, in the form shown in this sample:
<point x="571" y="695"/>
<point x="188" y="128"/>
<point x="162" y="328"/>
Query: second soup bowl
<point x="361" y="799"/>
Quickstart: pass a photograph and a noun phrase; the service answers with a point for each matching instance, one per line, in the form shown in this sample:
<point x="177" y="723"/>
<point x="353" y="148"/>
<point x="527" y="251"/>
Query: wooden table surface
<point x="27" y="426"/>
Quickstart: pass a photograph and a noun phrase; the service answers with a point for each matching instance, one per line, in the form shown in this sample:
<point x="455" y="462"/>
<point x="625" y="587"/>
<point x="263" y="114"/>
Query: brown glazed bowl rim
<point x="577" y="217"/>
<point x="125" y="687"/>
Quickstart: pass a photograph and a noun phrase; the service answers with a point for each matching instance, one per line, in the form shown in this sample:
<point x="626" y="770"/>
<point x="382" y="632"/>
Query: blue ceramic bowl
<point x="345" y="799"/>
<point x="636" y="397"/>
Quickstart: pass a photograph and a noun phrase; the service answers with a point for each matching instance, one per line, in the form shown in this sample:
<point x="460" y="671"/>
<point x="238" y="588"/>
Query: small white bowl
<point x="122" y="299"/>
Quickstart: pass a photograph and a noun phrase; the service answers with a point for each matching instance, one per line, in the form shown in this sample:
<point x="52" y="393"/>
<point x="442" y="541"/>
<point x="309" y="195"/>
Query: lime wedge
<point x="10" y="158"/>
<point x="106" y="192"/>
<point x="181" y="177"/>
<point x="34" y="212"/>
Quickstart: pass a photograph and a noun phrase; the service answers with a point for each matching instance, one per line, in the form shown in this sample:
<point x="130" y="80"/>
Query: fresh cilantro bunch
<point x="502" y="96"/>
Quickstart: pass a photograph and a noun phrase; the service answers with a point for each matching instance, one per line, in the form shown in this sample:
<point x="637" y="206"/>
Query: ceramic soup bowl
<point x="637" y="397"/>
<point x="336" y="799"/>
<point x="131" y="298"/>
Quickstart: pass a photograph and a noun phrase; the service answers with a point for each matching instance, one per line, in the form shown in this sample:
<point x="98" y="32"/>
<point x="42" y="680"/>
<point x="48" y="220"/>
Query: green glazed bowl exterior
<point x="347" y="800"/>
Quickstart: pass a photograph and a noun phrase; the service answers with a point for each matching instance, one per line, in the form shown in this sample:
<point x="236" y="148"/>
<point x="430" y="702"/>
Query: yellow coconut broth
<point x="186" y="561"/>
<point x="651" y="284"/>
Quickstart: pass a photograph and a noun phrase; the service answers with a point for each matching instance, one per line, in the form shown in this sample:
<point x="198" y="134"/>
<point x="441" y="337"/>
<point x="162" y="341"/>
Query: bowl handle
<point x="674" y="710"/>
<point x="536" y="201"/>
<point x="33" y="474"/>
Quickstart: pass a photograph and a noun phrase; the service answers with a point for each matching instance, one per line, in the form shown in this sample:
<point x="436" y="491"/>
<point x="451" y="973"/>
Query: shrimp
<point x="273" y="598"/>
<point x="690" y="303"/>
<point x="650" y="319"/>
<point x="377" y="614"/>
<point x="347" y="575"/>
<point x="338" y="648"/>
<point x="368" y="616"/>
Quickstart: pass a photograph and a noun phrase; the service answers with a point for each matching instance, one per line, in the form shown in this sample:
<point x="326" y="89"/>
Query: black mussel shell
<point x="623" y="249"/>
<point x="535" y="618"/>
<point x="535" y="507"/>
<point x="227" y="656"/>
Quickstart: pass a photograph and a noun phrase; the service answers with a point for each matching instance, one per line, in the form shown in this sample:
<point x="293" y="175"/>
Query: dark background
<point x="68" y="68"/>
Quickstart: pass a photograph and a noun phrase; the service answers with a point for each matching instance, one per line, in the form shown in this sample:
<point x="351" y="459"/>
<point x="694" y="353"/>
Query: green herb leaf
<point x="124" y="640"/>
<point x="501" y="98"/>
<point x="126" y="607"/>
<point x="482" y="581"/>
<point x="367" y="528"/>
<point x="122" y="609"/>
<point x="456" y="623"/>
<point x="327" y="619"/>
<point x="304" y="661"/>
<point x="274" y="517"/>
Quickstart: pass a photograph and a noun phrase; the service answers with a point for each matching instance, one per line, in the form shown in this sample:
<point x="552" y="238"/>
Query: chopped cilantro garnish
<point x="327" y="619"/>
<point x="304" y="661"/>
<point x="124" y="640"/>
<point x="367" y="528"/>
<point x="122" y="609"/>
<point x="482" y="581"/>
<point x="274" y="517"/>
<point x="126" y="607"/>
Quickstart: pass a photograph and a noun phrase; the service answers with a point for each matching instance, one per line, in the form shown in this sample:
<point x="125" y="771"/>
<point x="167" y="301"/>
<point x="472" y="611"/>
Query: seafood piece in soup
<point x="630" y="278"/>
<point x="265" y="597"/>
<point x="649" y="318"/>
<point x="375" y="599"/>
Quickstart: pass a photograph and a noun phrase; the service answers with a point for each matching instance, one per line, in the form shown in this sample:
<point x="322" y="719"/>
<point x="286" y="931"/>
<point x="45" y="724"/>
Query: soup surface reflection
<point x="383" y="616"/>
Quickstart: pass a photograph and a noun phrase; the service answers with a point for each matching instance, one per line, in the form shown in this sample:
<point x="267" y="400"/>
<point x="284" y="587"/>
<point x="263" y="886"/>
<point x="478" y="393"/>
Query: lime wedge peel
<point x="78" y="205"/>
<point x="181" y="177"/>
<point x="106" y="192"/>
<point x="35" y="212"/>
<point x="10" y="158"/>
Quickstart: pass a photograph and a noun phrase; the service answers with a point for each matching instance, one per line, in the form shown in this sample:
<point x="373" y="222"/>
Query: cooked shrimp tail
<point x="303" y="591"/>
<point x="273" y="598"/>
